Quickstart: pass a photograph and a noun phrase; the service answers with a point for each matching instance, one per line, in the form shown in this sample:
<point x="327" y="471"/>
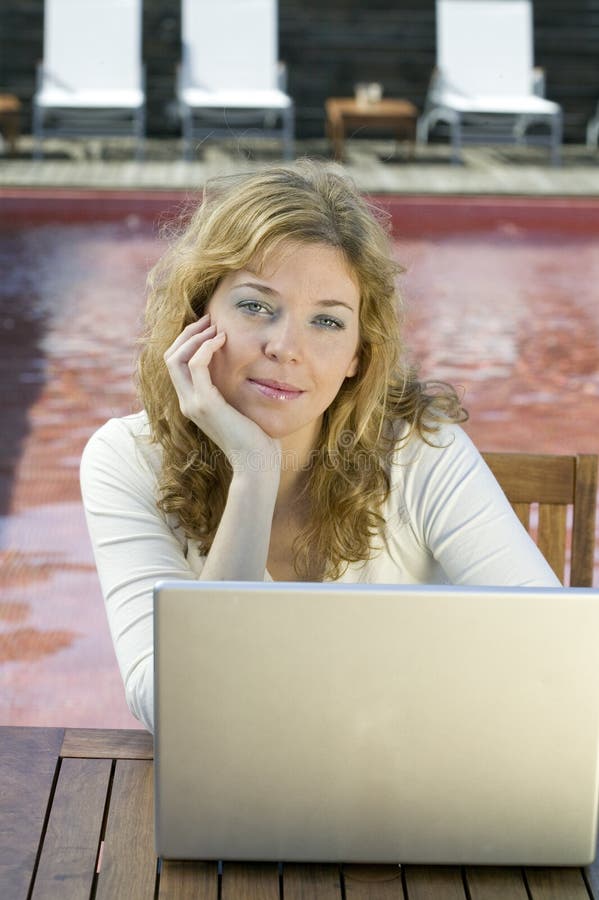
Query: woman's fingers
<point x="187" y="361"/>
<point x="186" y="350"/>
<point x="196" y="353"/>
<point x="204" y="393"/>
<point x="194" y="329"/>
<point x="202" y="357"/>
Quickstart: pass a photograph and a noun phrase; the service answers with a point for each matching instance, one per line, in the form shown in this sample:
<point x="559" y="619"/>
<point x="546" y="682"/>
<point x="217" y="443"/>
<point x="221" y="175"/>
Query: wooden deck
<point x="76" y="821"/>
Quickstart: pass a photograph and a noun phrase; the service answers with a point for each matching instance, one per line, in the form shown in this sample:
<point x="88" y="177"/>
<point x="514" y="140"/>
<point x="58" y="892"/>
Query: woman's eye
<point x="253" y="306"/>
<point x="330" y="322"/>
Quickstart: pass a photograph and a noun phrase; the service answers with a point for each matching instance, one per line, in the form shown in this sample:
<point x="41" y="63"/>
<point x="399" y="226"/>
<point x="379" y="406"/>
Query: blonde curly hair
<point x="241" y="220"/>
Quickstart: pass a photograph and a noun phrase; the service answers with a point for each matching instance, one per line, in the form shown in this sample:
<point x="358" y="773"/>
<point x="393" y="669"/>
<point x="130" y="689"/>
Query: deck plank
<point x="68" y="860"/>
<point x="104" y="743"/>
<point x="434" y="883"/>
<point x="128" y="858"/>
<point x="188" y="881"/>
<point x="373" y="882"/>
<point x="556" y="884"/>
<point x="314" y="882"/>
<point x="250" y="881"/>
<point x="495" y="883"/>
<point x="28" y="760"/>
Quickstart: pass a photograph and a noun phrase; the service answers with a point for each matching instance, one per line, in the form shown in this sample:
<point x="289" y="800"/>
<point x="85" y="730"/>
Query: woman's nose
<point x="283" y="341"/>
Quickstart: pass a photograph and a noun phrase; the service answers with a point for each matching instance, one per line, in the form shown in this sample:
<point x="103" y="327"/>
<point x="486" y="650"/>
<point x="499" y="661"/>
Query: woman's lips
<point x="276" y="390"/>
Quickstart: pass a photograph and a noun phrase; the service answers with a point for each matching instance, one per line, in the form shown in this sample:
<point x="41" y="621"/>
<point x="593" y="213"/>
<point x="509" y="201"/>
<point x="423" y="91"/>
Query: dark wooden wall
<point x="328" y="46"/>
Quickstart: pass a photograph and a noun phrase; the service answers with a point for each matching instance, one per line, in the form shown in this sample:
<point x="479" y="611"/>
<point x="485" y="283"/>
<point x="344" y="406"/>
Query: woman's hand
<point x="245" y="444"/>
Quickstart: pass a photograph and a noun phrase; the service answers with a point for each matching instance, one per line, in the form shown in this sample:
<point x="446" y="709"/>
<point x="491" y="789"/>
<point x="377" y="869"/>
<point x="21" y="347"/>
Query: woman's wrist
<point x="256" y="481"/>
<point x="257" y="463"/>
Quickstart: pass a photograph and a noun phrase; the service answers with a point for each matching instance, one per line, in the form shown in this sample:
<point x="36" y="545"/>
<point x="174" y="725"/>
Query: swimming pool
<point x="502" y="302"/>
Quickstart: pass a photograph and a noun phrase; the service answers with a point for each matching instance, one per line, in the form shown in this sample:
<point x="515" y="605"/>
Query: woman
<point x="283" y="434"/>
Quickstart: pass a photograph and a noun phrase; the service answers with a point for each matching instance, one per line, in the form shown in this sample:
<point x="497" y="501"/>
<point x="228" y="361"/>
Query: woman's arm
<point x="134" y="547"/>
<point x="135" y="544"/>
<point x="240" y="547"/>
<point x="461" y="515"/>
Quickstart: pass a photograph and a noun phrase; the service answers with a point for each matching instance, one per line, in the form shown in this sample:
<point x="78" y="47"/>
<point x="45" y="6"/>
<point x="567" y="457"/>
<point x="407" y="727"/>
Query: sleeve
<point x="463" y="518"/>
<point x="134" y="547"/>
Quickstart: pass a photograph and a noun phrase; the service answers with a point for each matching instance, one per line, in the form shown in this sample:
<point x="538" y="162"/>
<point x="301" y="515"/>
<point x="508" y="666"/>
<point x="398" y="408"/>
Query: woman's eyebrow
<point x="257" y="287"/>
<point x="327" y="303"/>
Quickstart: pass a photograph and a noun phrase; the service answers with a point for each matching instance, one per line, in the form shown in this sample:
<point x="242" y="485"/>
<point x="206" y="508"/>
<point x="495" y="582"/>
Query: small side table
<point x="346" y="114"/>
<point x="10" y="119"/>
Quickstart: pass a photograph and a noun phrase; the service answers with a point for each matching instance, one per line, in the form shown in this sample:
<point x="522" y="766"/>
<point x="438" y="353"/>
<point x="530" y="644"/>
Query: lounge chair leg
<point x="37" y="133"/>
<point x="422" y="129"/>
<point x="557" y="126"/>
<point x="187" y="133"/>
<point x="140" y="131"/>
<point x="592" y="135"/>
<point x="456" y="141"/>
<point x="288" y="135"/>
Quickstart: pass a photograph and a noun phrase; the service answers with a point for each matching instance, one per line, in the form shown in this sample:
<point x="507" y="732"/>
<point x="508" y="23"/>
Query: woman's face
<point x="292" y="331"/>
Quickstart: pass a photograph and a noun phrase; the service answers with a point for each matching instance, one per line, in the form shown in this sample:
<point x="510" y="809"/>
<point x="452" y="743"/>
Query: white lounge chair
<point x="91" y="80"/>
<point x="484" y="84"/>
<point x="229" y="79"/>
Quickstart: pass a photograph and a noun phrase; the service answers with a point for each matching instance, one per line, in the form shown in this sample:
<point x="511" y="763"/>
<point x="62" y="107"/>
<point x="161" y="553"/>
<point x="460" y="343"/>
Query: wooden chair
<point x="554" y="483"/>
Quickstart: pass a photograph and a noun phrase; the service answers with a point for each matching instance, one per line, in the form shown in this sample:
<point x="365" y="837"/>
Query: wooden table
<point x="346" y="115"/>
<point x="76" y="821"/>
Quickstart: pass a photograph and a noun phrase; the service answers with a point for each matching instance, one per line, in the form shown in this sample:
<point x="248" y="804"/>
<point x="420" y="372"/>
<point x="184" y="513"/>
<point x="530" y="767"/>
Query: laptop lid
<point x="354" y="723"/>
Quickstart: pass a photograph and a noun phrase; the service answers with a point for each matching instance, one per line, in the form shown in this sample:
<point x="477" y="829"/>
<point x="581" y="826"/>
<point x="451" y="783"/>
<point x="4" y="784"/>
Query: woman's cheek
<point x="218" y="367"/>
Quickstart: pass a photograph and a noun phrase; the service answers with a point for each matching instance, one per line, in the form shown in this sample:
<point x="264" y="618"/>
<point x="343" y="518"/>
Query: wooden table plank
<point x="28" y="760"/>
<point x="250" y="881"/>
<point x="128" y="859"/>
<point x="188" y="881"/>
<point x="68" y="860"/>
<point x="434" y="883"/>
<point x="556" y="884"/>
<point x="366" y="882"/>
<point x="104" y="743"/>
<point x="313" y="882"/>
<point x="494" y="883"/>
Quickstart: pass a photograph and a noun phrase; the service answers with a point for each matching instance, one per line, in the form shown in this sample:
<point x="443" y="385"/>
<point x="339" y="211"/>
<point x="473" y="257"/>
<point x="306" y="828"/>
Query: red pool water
<point x="503" y="302"/>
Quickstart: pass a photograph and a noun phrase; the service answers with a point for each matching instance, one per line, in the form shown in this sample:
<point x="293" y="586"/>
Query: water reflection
<point x="508" y="315"/>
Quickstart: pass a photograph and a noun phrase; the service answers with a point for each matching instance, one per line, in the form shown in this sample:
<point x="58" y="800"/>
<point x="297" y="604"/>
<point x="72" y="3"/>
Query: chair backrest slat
<point x="534" y="477"/>
<point x="551" y="536"/>
<point x="522" y="510"/>
<point x="554" y="483"/>
<point x="583" y="528"/>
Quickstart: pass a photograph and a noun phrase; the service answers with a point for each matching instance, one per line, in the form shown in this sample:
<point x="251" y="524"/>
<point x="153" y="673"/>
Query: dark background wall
<point x="328" y="45"/>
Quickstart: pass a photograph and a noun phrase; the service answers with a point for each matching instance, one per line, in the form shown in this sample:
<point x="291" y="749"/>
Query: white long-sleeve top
<point x="447" y="522"/>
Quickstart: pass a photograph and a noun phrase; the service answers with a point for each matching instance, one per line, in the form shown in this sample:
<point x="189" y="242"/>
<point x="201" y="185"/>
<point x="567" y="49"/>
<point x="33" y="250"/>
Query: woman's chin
<point x="282" y="424"/>
<point x="286" y="431"/>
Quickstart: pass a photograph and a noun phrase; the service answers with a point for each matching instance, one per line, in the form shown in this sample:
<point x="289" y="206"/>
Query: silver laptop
<point x="354" y="723"/>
